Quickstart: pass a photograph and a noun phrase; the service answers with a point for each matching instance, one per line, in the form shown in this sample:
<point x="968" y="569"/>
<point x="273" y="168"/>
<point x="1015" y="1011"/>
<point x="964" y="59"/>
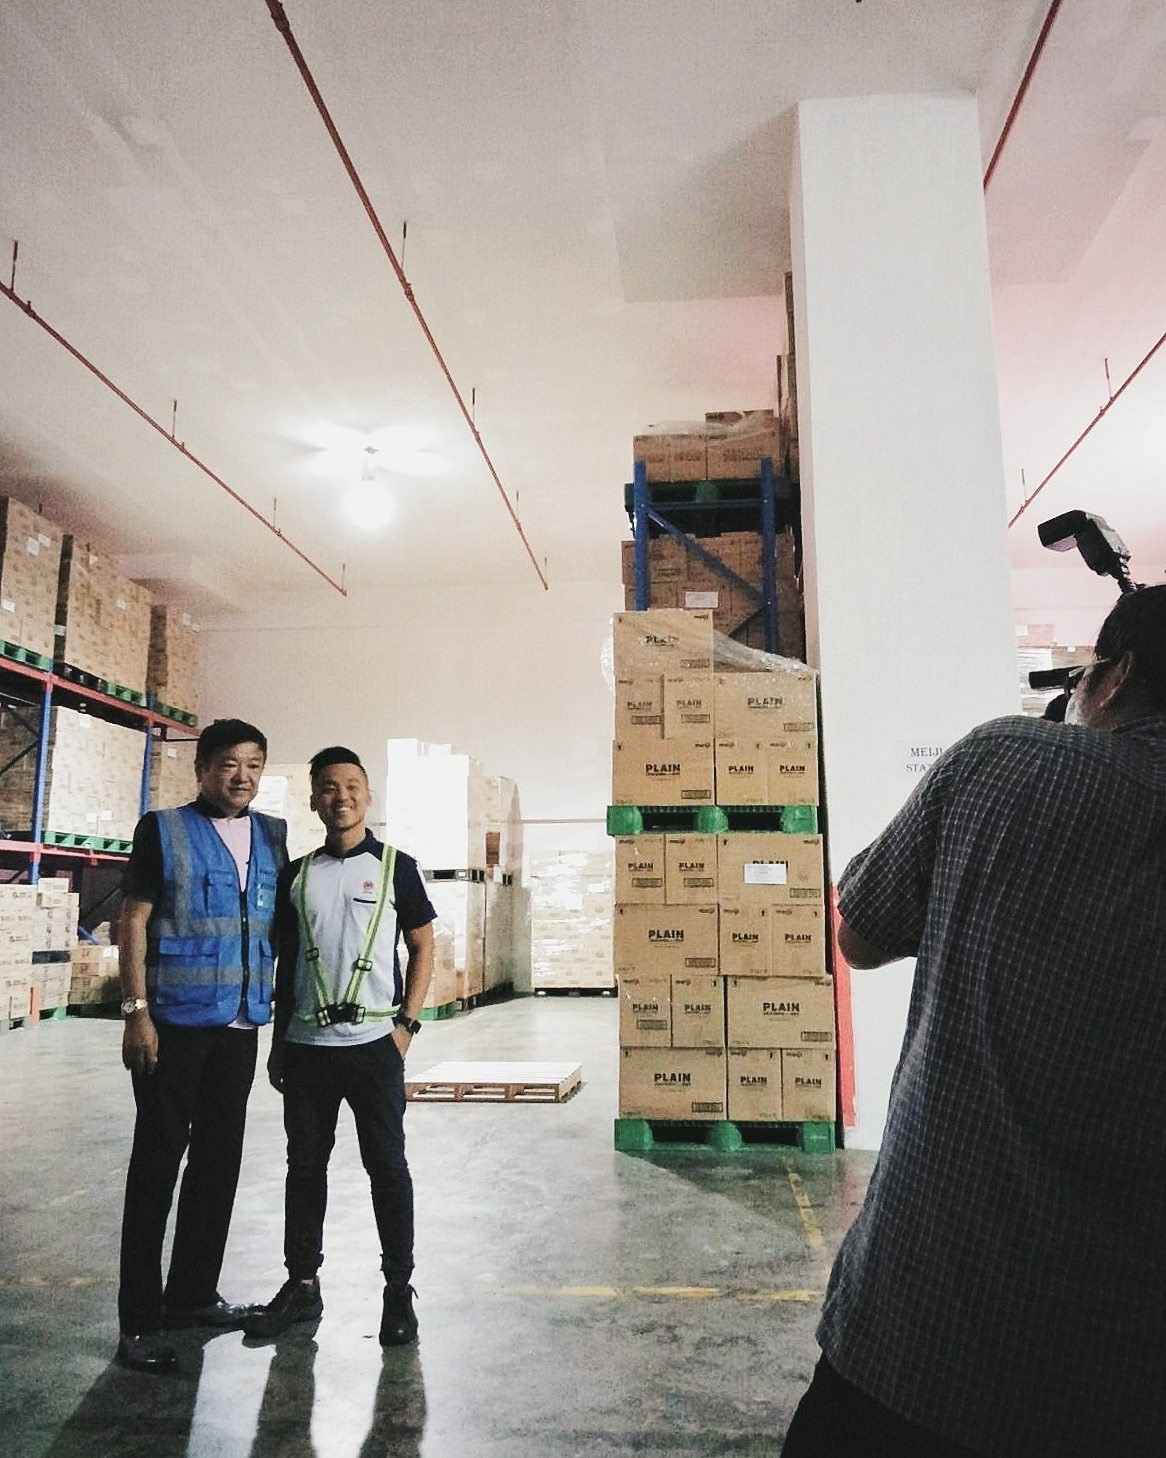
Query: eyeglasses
<point x="1075" y="675"/>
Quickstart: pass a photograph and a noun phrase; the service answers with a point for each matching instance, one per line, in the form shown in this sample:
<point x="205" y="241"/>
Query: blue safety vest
<point x="208" y="947"/>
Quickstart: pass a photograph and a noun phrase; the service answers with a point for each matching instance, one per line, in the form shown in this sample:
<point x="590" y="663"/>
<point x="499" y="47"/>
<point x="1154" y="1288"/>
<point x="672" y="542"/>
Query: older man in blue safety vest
<point x="196" y="966"/>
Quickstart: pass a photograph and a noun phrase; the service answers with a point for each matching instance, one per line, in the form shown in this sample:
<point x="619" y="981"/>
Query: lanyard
<point x="363" y="963"/>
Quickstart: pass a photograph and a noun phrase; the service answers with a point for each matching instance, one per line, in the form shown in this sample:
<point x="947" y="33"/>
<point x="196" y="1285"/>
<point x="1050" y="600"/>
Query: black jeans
<point x="196" y="1101"/>
<point x="835" y="1420"/>
<point x="371" y="1078"/>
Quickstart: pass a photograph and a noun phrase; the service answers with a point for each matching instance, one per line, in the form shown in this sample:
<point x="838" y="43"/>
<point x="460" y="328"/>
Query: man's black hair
<point x="1137" y="625"/>
<point x="222" y="734"/>
<point x="334" y="754"/>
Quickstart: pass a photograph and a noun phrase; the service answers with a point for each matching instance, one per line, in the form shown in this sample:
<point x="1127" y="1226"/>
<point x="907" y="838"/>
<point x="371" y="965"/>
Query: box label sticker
<point x="8" y="605"/>
<point x="766" y="873"/>
<point x="32" y="546"/>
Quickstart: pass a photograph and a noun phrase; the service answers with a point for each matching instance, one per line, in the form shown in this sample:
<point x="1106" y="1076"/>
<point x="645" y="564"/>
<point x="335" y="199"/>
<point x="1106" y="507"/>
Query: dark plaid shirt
<point x="1005" y="1282"/>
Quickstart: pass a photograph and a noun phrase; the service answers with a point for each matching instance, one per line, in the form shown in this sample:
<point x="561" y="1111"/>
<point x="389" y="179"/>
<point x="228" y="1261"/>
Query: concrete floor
<point x="537" y="1253"/>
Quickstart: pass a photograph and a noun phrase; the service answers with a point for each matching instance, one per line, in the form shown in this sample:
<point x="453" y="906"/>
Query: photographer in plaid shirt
<point x="1003" y="1290"/>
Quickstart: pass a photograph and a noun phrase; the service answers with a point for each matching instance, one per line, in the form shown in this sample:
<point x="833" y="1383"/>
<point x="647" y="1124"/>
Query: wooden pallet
<point x="495" y="1083"/>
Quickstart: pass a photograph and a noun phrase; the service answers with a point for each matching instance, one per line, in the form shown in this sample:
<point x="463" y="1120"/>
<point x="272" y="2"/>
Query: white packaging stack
<point x="435" y="805"/>
<point x="570" y="919"/>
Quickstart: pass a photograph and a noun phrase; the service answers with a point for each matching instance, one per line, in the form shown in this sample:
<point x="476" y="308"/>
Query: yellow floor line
<point x="805" y="1209"/>
<point x="673" y="1293"/>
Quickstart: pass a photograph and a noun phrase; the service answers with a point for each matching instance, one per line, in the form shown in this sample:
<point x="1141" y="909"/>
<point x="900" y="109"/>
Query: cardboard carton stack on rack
<point x="103" y="619"/>
<point x="30" y="560"/>
<point x="172" y="780"/>
<point x="173" y="662"/>
<point x="93" y="774"/>
<point x="726" y="1009"/>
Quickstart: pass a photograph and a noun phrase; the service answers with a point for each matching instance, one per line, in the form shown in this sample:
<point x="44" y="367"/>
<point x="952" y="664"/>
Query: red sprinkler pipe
<point x="1018" y="100"/>
<point x="283" y="25"/>
<point x="1105" y="409"/>
<point x="26" y="307"/>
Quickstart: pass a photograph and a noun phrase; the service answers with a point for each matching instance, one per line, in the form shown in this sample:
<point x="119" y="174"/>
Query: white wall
<point x="908" y="602"/>
<point x="1067" y="597"/>
<point x="512" y="677"/>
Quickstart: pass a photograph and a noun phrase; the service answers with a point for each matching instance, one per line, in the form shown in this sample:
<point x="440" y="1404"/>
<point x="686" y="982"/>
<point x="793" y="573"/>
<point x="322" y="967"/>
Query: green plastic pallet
<point x="440" y="1013"/>
<point x="68" y="841"/>
<point x="723" y="1136"/>
<point x="25" y="656"/>
<point x="711" y="819"/>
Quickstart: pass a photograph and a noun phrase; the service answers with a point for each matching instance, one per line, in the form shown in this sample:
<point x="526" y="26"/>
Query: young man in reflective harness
<point x="196" y="968"/>
<point x="343" y="1025"/>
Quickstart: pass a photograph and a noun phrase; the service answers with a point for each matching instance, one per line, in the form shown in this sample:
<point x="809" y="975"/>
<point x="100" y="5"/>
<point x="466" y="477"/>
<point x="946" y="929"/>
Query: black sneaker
<point x="398" y="1323"/>
<point x="294" y="1301"/>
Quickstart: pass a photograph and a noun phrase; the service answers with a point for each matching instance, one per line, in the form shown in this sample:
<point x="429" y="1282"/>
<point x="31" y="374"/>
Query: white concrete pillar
<point x="908" y="604"/>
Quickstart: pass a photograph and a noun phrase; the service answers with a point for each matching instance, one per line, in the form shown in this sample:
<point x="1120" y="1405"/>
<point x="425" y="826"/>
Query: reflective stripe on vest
<point x="201" y="948"/>
<point x="362" y="966"/>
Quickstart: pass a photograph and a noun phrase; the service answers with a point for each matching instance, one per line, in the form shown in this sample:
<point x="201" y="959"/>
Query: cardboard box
<point x="808" y="1084"/>
<point x="754" y="1089"/>
<point x="665" y="772"/>
<point x="742" y="773"/>
<point x="690" y="870"/>
<point x="797" y="946"/>
<point x="763" y="706"/>
<point x="672" y="1083"/>
<point x="688" y="706"/>
<point x="765" y="868"/>
<point x="665" y="941"/>
<point x="639" y="708"/>
<point x="639" y="870"/>
<point x="698" y="1012"/>
<point x="775" y="772"/>
<point x="664" y="641"/>
<point x="778" y="1012"/>
<point x="745" y="941"/>
<point x="656" y="455"/>
<point x="645" y="1012"/>
<point x="688" y="458"/>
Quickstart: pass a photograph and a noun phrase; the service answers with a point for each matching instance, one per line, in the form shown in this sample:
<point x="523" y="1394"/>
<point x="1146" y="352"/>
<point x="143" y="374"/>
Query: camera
<point x="339" y="1012"/>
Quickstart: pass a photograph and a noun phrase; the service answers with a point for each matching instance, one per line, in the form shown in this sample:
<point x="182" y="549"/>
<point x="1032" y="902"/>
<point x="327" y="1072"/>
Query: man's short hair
<point x="1137" y="625"/>
<point x="222" y="734"/>
<point x="334" y="754"/>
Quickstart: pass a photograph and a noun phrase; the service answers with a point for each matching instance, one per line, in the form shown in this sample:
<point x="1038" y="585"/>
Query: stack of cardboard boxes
<point x="728" y="445"/>
<point x="172" y="780"/>
<point x="103" y="619"/>
<point x="172" y="665"/>
<point x="726" y="1011"/>
<point x="93" y="979"/>
<point x="38" y="930"/>
<point x="678" y="578"/>
<point x="93" y="775"/>
<point x="30" y="560"/>
<point x="570" y="915"/>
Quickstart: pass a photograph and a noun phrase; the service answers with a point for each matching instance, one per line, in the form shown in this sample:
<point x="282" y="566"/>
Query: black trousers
<point x="194" y="1103"/>
<point x="835" y="1420"/>
<point x="370" y="1077"/>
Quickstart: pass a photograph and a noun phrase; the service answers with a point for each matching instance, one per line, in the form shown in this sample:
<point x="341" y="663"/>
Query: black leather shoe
<point x="398" y="1322"/>
<point x="217" y="1313"/>
<point x="294" y="1301"/>
<point x="146" y="1352"/>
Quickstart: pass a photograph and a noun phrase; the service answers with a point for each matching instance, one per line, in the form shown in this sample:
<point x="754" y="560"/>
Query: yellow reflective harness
<point x="350" y="1010"/>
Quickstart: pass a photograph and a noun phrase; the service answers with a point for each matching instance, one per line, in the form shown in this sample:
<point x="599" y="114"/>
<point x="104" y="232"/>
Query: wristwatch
<point x="411" y="1025"/>
<point x="132" y="1005"/>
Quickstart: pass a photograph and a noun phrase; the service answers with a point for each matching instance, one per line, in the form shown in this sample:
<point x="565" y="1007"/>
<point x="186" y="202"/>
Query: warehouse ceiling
<point x="588" y="198"/>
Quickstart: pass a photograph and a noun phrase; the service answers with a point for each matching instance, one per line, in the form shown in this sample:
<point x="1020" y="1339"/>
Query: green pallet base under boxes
<point x="724" y="1136"/>
<point x="711" y="819"/>
<point x="440" y="1013"/>
<point x="25" y="656"/>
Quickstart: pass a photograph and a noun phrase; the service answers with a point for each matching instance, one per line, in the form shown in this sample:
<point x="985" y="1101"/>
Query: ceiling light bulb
<point x="367" y="504"/>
